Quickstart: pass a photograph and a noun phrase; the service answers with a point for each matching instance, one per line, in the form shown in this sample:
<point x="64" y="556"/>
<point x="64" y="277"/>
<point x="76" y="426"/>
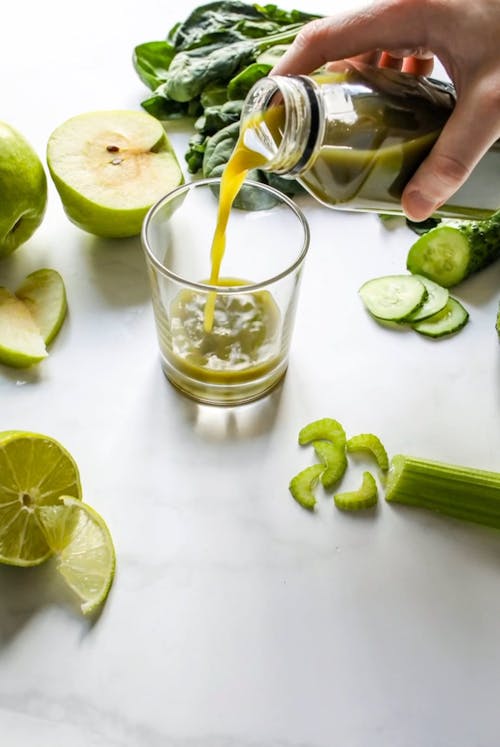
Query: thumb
<point x="471" y="129"/>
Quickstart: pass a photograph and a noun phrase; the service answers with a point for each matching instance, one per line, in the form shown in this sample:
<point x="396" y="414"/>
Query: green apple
<point x="23" y="190"/>
<point x="21" y="344"/>
<point x="44" y="294"/>
<point x="110" y="167"/>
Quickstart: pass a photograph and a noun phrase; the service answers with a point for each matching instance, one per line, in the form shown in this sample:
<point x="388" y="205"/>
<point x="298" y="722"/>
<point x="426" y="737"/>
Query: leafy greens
<point x="205" y="67"/>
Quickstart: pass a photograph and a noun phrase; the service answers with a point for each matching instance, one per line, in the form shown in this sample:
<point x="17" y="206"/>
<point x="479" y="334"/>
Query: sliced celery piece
<point x="334" y="460"/>
<point x="371" y="443"/>
<point x="365" y="497"/>
<point x="302" y="485"/>
<point x="325" y="429"/>
<point x="462" y="492"/>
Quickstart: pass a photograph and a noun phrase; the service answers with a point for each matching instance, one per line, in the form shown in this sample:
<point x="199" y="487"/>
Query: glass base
<point x="224" y="395"/>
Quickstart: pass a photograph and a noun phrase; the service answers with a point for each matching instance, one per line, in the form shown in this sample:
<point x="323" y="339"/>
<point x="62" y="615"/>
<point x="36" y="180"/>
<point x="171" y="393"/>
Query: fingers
<point x="414" y="61"/>
<point x="383" y="25"/>
<point x="454" y="154"/>
<point x="418" y="65"/>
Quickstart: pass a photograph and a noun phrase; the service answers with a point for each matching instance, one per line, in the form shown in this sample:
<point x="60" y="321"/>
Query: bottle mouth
<point x="281" y="120"/>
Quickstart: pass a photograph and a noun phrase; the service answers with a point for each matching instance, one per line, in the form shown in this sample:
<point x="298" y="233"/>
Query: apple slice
<point x="21" y="344"/>
<point x="44" y="294"/>
<point x="110" y="167"/>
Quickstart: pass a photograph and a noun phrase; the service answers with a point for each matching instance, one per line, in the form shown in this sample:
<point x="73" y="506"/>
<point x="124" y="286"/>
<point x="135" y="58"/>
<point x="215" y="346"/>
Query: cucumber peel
<point x="452" y="251"/>
<point x="365" y="497"/>
<point x="446" y="322"/>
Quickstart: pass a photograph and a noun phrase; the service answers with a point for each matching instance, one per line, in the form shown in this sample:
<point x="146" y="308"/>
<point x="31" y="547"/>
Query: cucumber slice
<point x="302" y="485"/>
<point x="437" y="298"/>
<point x="365" y="497"/>
<point x="446" y="322"/>
<point x="371" y="443"/>
<point x="325" y="429"/>
<point x="393" y="297"/>
<point x="441" y="255"/>
<point x="334" y="461"/>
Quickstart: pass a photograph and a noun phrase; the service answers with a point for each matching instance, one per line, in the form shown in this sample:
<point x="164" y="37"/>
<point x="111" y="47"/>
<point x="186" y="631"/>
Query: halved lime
<point x="82" y="541"/>
<point x="35" y="470"/>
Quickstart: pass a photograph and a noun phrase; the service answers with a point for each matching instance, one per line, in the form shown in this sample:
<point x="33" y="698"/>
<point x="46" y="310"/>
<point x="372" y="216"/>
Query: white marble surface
<point x="236" y="618"/>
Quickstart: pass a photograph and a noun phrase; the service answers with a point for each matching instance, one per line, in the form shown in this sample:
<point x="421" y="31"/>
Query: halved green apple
<point x="21" y="344"/>
<point x="44" y="294"/>
<point x="110" y="167"/>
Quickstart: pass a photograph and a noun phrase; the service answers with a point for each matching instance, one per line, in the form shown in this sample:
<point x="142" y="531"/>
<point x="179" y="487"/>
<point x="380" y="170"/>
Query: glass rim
<point x="224" y="289"/>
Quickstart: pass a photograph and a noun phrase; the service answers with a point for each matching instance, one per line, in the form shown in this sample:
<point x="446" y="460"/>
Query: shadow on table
<point x="26" y="591"/>
<point x="118" y="270"/>
<point x="233" y="423"/>
<point x="480" y="288"/>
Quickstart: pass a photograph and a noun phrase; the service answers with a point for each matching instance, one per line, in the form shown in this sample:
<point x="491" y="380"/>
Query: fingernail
<point x="418" y="207"/>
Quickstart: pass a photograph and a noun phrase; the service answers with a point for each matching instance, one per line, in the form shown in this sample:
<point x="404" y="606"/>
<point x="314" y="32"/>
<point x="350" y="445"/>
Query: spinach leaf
<point x="162" y="107"/>
<point x="218" y="150"/>
<point x="221" y="23"/>
<point x="240" y="85"/>
<point x="195" y="152"/>
<point x="423" y="226"/>
<point x="285" y="16"/>
<point x="191" y="71"/>
<point x="290" y="187"/>
<point x="214" y="94"/>
<point x="151" y="62"/>
<point x="217" y="117"/>
<point x="272" y="55"/>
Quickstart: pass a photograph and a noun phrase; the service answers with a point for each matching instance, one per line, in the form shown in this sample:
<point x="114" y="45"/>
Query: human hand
<point x="464" y="37"/>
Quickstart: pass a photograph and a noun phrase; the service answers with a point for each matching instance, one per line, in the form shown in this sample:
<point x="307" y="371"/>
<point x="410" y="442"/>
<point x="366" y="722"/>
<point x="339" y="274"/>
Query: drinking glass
<point x="243" y="353"/>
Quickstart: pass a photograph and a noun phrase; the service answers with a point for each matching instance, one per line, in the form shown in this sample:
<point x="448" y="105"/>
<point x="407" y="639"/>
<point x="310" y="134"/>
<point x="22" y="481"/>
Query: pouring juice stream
<point x="242" y="160"/>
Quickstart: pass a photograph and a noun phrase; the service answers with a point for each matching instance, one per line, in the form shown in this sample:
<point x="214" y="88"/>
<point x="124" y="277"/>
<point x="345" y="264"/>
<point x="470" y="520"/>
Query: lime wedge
<point x="35" y="471"/>
<point x="84" y="547"/>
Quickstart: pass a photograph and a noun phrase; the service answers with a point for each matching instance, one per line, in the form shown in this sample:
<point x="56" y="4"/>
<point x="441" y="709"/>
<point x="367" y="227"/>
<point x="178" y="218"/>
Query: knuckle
<point x="310" y="33"/>
<point x="449" y="169"/>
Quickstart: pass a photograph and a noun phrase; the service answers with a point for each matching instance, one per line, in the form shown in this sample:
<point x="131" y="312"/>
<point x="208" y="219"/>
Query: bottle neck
<point x="282" y="119"/>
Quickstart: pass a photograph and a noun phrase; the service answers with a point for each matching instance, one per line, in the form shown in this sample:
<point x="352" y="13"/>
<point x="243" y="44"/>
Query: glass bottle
<point x="354" y="138"/>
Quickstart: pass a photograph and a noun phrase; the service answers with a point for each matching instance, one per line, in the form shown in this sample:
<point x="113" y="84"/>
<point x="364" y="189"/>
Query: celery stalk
<point x="462" y="492"/>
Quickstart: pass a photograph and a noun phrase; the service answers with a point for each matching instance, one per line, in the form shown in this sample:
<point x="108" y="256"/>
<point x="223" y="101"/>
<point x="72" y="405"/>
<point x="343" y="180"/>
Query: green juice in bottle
<point x="354" y="138"/>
